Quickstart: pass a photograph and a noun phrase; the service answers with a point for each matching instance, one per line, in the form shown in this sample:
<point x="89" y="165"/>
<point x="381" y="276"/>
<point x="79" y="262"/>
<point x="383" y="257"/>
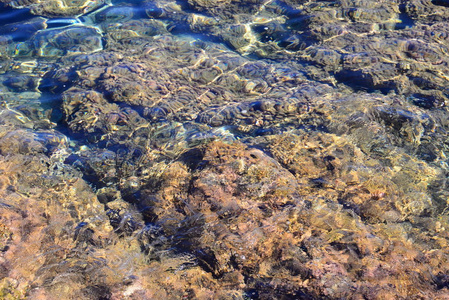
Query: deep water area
<point x="224" y="149"/>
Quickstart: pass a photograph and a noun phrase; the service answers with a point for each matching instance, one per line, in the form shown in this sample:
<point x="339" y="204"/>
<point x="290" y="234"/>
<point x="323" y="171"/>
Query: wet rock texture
<point x="224" y="150"/>
<point x="57" y="8"/>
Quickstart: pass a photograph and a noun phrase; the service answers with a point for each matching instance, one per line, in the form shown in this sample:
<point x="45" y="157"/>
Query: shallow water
<point x="224" y="149"/>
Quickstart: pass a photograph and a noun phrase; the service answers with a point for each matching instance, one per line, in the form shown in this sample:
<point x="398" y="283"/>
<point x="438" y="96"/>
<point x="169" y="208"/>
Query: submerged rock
<point x="57" y="8"/>
<point x="225" y="149"/>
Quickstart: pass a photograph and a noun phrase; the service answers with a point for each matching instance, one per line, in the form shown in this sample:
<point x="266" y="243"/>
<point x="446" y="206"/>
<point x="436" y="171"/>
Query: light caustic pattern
<point x="224" y="149"/>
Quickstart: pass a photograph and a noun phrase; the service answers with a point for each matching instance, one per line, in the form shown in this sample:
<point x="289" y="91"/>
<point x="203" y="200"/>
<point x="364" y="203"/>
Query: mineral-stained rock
<point x="232" y="186"/>
<point x="240" y="213"/>
<point x="57" y="239"/>
<point x="40" y="210"/>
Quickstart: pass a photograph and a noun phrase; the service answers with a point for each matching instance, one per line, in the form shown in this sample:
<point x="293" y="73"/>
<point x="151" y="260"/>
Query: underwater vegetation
<point x="226" y="149"/>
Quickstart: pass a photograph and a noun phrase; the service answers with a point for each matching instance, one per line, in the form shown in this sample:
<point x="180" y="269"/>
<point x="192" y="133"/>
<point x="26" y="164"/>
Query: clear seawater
<point x="224" y="149"/>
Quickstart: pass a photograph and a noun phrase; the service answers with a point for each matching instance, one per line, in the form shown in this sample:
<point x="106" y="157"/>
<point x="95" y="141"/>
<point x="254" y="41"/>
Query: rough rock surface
<point x="225" y="149"/>
<point x="57" y="8"/>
